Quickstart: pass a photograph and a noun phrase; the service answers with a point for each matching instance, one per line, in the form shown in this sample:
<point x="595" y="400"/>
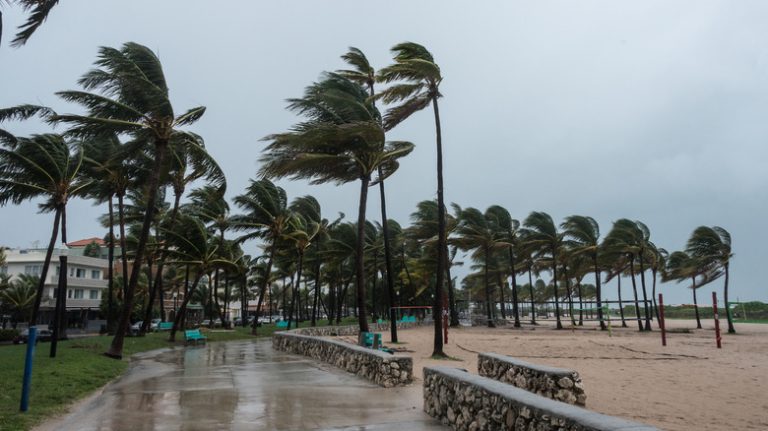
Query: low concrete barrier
<point x="381" y="368"/>
<point x="556" y="383"/>
<point x="468" y="402"/>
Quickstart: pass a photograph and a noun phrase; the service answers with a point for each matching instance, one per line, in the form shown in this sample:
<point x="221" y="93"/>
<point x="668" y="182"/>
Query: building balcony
<point x="76" y="283"/>
<point x="72" y="303"/>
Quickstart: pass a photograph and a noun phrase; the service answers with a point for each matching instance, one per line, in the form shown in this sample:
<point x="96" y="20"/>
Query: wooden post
<point x="717" y="321"/>
<point x="661" y="321"/>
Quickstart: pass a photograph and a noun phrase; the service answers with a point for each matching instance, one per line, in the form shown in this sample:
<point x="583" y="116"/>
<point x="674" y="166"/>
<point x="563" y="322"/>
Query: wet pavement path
<point x="245" y="386"/>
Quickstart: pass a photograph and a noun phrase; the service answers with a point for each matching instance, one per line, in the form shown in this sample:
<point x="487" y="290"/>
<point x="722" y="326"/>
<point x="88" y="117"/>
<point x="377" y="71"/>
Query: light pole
<point x="61" y="302"/>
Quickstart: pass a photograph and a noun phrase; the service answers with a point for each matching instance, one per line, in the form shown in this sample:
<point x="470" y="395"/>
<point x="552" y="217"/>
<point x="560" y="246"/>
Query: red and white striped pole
<point x="661" y="321"/>
<point x="717" y="321"/>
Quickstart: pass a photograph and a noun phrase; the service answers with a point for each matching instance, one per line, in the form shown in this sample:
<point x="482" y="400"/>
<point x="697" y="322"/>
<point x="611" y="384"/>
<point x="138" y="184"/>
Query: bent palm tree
<point x="711" y="246"/>
<point x="132" y="99"/>
<point x="546" y="243"/>
<point x="341" y="141"/>
<point x="42" y="166"/>
<point x="583" y="238"/>
<point x="38" y="13"/>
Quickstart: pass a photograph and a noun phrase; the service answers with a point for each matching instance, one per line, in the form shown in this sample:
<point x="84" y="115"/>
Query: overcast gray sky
<point x="652" y="110"/>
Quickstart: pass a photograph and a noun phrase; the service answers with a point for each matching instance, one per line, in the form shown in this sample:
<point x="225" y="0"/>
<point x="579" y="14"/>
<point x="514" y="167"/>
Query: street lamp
<point x="61" y="302"/>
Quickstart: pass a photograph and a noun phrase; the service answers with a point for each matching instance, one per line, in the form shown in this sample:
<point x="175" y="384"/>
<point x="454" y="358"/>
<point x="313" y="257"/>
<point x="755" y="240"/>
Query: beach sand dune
<point x="687" y="385"/>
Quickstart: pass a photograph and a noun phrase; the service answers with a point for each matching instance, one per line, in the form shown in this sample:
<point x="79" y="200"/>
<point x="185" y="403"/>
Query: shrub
<point x="8" y="334"/>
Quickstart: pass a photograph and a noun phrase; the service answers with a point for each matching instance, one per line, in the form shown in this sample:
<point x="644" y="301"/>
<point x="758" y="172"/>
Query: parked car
<point x="42" y="335"/>
<point x="136" y="327"/>
<point x="154" y="325"/>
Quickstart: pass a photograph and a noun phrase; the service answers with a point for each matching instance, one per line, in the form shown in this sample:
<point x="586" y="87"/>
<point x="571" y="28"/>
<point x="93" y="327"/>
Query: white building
<point x="86" y="282"/>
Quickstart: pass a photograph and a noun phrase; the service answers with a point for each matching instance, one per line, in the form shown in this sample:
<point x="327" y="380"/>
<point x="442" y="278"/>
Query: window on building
<point x="69" y="293"/>
<point x="33" y="269"/>
<point x="80" y="273"/>
<point x="3" y="269"/>
<point x="78" y="293"/>
<point x="95" y="274"/>
<point x="94" y="294"/>
<point x="58" y="270"/>
<point x="55" y="293"/>
<point x="71" y="271"/>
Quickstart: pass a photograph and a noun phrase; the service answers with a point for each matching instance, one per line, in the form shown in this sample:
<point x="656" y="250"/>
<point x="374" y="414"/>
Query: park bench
<point x="165" y="326"/>
<point x="282" y="324"/>
<point x="371" y="340"/>
<point x="194" y="335"/>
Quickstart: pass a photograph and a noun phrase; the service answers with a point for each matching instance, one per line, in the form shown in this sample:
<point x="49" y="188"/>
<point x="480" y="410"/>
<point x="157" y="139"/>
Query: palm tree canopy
<point x="45" y="166"/>
<point x="415" y="66"/>
<point x="266" y="212"/>
<point x="340" y="141"/>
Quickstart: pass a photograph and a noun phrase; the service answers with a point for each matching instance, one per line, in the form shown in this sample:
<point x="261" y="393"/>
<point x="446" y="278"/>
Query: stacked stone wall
<point x="379" y="367"/>
<point x="555" y="383"/>
<point x="475" y="403"/>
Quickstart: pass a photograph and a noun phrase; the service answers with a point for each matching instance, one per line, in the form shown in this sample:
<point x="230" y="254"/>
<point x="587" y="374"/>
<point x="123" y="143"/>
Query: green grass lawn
<point x="79" y="368"/>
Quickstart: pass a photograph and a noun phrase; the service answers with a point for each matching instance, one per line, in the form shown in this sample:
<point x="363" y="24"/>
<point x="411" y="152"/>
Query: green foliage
<point x="8" y="334"/>
<point x="92" y="250"/>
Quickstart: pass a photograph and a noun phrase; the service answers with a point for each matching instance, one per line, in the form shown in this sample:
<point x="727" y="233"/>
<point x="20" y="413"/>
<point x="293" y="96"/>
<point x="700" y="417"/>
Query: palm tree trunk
<point x="183" y="309"/>
<point x="645" y="295"/>
<point x="533" y="299"/>
<point x="569" y="293"/>
<point x="731" y="328"/>
<point x="441" y="239"/>
<point x="453" y="313"/>
<point x="500" y="283"/>
<point x="599" y="294"/>
<point x="264" y="286"/>
<point x="116" y="348"/>
<point x="46" y="264"/>
<point x="488" y="301"/>
<point x="388" y="262"/>
<point x="695" y="304"/>
<point x="123" y="245"/>
<point x="374" y="313"/>
<point x="554" y="281"/>
<point x="111" y="270"/>
<point x="317" y="288"/>
<point x="621" y="304"/>
<point x="634" y="289"/>
<point x="515" y="309"/>
<point x="60" y="315"/>
<point x="581" y="303"/>
<point x="162" y="255"/>
<point x="362" y="316"/>
<point x="653" y="298"/>
<point x="296" y="295"/>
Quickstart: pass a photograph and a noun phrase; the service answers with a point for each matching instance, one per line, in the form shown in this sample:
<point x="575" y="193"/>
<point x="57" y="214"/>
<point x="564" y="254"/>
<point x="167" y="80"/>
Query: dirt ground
<point x="687" y="385"/>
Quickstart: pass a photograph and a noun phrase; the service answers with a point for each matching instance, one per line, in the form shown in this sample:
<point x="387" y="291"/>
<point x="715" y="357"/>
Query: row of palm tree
<point x="130" y="147"/>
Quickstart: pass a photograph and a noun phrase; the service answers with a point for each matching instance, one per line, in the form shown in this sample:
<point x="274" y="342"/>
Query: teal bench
<point x="371" y="340"/>
<point x="409" y="319"/>
<point x="165" y="326"/>
<point x="194" y="335"/>
<point x="282" y="324"/>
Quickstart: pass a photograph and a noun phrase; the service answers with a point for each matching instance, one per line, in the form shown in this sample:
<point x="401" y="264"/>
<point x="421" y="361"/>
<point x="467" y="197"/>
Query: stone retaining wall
<point x="468" y="402"/>
<point x="555" y="383"/>
<point x="332" y="331"/>
<point x="381" y="368"/>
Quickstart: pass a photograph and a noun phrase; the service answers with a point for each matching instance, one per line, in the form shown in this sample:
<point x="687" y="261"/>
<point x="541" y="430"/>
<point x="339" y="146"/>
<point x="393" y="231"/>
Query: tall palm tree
<point x="266" y="216"/>
<point x="300" y="233"/>
<point x="711" y="246"/>
<point x="341" y="141"/>
<point x="582" y="235"/>
<point x="42" y="166"/>
<point x="415" y="65"/>
<point x="365" y="75"/>
<point x="546" y="243"/>
<point x="131" y="98"/>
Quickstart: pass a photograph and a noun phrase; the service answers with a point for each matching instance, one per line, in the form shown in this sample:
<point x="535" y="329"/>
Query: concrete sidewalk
<point x="244" y="385"/>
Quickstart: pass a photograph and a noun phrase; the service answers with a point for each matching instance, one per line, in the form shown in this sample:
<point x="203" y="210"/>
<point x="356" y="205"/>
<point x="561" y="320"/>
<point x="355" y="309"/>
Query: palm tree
<point x="508" y="228"/>
<point x="132" y="99"/>
<point x="711" y="246"/>
<point x="415" y="65"/>
<point x="42" y="166"/>
<point x="266" y="216"/>
<point x="546" y="243"/>
<point x="480" y="232"/>
<point x="341" y="141"/>
<point x="38" y="13"/>
<point x="192" y="244"/>
<point x="626" y="238"/>
<point x="582" y="235"/>
<point x="18" y="299"/>
<point x="679" y="267"/>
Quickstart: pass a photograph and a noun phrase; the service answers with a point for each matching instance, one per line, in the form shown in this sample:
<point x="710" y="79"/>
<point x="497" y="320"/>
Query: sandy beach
<point x="687" y="385"/>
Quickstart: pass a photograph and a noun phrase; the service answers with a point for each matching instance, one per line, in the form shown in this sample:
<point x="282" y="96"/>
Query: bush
<point x="8" y="334"/>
